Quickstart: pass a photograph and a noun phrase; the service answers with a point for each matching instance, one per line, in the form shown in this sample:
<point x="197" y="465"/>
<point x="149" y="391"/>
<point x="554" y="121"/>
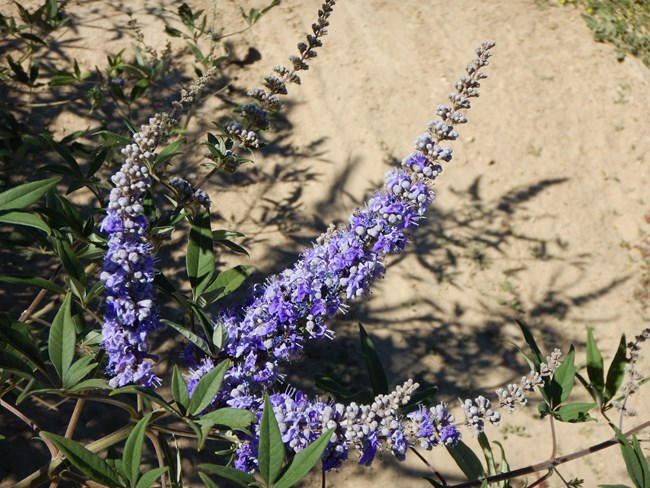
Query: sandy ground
<point x="549" y="183"/>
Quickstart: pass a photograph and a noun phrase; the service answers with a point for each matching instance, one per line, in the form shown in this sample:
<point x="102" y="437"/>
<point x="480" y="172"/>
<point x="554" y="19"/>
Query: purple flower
<point x="128" y="271"/>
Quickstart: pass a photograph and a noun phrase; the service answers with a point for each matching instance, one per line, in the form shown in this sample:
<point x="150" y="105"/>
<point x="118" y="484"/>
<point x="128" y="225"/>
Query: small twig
<point x="69" y="475"/>
<point x="552" y="463"/>
<point x="429" y="465"/>
<point x="542" y="479"/>
<point x="32" y="425"/>
<point x="554" y="438"/>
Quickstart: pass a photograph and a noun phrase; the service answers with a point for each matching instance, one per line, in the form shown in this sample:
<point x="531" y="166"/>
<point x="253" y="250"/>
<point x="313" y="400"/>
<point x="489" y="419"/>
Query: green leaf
<point x="233" y="418"/>
<point x="574" y="412"/>
<point x="171" y="31"/>
<point x="139" y="88"/>
<point x="132" y="454"/>
<point x="565" y="374"/>
<point x="304" y="461"/>
<point x="148" y="479"/>
<point x="168" y="152"/>
<point x="179" y="390"/>
<point x="595" y="368"/>
<point x="232" y="474"/>
<point x="84" y="460"/>
<point x="378" y="380"/>
<point x="36" y="281"/>
<point x="65" y="153"/>
<point x="226" y="282"/>
<point x="207" y="388"/>
<point x="467" y="461"/>
<point x="147" y="393"/>
<point x="190" y="336"/>
<point x="271" y="453"/>
<point x="200" y="254"/>
<point x="530" y="340"/>
<point x="635" y="462"/>
<point x="63" y="338"/>
<point x="93" y="383"/>
<point x="69" y="259"/>
<point x="24" y="219"/>
<point x="14" y="364"/>
<point x="78" y="371"/>
<point x="23" y="343"/>
<point x="616" y="371"/>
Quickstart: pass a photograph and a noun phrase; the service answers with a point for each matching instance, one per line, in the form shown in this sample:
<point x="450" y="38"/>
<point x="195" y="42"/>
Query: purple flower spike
<point x="128" y="271"/>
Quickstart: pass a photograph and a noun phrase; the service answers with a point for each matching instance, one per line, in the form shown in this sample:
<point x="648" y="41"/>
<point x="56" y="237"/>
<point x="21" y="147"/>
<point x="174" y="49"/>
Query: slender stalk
<point x="74" y="418"/>
<point x="552" y="463"/>
<point x="32" y="425"/>
<point x="429" y="465"/>
<point x="554" y="437"/>
<point x="542" y="479"/>
<point x="159" y="454"/>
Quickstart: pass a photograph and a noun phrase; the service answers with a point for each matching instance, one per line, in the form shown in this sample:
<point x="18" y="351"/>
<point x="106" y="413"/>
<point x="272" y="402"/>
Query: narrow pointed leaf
<point x="179" y="390"/>
<point x="467" y="461"/>
<point x="616" y="370"/>
<point x="233" y="418"/>
<point x="227" y="281"/>
<point x="70" y="261"/>
<point x="595" y="368"/>
<point x="232" y="474"/>
<point x="148" y="479"/>
<point x="84" y="460"/>
<point x="24" y="344"/>
<point x="565" y="374"/>
<point x="36" y="281"/>
<point x="200" y="254"/>
<point x="195" y="339"/>
<point x="376" y="371"/>
<point x="24" y="219"/>
<point x="24" y="195"/>
<point x="63" y="338"/>
<point x="530" y="340"/>
<point x="304" y="461"/>
<point x="271" y="453"/>
<point x="14" y="364"/>
<point x="78" y="371"/>
<point x="207" y="389"/>
<point x="132" y="454"/>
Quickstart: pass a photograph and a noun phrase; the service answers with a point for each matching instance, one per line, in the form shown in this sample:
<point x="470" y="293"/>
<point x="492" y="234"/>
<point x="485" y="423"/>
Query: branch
<point x="551" y="463"/>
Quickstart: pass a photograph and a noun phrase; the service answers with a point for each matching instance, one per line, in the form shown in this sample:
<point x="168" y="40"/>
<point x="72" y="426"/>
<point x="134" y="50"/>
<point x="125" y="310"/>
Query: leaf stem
<point x="32" y="425"/>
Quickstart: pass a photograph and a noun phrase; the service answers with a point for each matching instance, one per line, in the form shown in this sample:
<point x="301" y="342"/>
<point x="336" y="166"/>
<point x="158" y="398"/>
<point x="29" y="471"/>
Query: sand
<point x="533" y="220"/>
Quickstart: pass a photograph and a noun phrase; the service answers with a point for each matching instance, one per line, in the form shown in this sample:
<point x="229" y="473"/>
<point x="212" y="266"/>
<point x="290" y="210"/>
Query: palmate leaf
<point x="271" y="453"/>
<point x="24" y="195"/>
<point x="84" y="460"/>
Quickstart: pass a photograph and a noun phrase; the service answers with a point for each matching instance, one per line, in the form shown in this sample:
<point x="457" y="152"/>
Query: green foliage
<point x="623" y="23"/>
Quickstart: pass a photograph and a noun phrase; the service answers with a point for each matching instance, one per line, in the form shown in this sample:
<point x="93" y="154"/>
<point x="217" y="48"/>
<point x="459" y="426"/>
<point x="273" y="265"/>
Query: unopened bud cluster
<point x="187" y="193"/>
<point x="255" y="115"/>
